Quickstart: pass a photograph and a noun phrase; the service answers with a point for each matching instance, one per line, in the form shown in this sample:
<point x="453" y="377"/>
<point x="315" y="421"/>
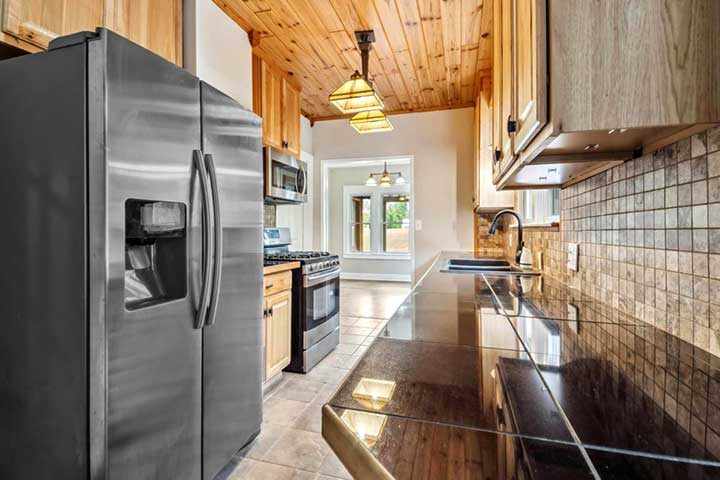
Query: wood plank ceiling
<point x="428" y="54"/>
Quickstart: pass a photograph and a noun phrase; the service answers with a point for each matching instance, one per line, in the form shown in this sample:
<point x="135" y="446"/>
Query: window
<point x="378" y="221"/>
<point x="539" y="207"/>
<point x="396" y="224"/>
<point x="361" y="224"/>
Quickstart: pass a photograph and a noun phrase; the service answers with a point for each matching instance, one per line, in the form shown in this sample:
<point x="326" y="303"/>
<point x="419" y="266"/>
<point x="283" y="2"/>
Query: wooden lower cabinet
<point x="278" y="314"/>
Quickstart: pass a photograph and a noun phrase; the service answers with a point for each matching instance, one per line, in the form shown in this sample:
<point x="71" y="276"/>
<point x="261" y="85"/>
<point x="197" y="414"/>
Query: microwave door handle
<point x="208" y="243"/>
<point x="217" y="240"/>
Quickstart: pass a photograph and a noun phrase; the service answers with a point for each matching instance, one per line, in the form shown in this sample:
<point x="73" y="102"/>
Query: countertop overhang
<point x="280" y="267"/>
<point x="495" y="374"/>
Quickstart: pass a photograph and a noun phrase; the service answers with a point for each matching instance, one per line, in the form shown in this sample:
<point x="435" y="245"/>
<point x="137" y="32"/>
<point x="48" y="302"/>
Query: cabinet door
<point x="39" y="21"/>
<point x="153" y="24"/>
<point x="291" y="120"/>
<point x="271" y="109"/>
<point x="476" y="154"/>
<point x="530" y="70"/>
<point x="277" y="333"/>
<point x="502" y="81"/>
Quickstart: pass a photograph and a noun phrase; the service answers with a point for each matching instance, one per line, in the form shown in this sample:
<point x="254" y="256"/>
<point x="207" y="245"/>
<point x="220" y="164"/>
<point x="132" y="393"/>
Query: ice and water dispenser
<point x="155" y="252"/>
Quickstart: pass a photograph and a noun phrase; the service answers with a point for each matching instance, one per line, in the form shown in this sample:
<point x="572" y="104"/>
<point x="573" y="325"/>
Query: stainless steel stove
<point x="311" y="261"/>
<point x="316" y="299"/>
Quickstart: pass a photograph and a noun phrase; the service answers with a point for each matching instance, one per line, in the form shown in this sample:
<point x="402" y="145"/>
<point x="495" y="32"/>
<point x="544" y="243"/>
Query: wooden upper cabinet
<point x="272" y="94"/>
<point x="153" y="24"/>
<point x="291" y="124"/>
<point x="588" y="85"/>
<point x="39" y="21"/>
<point x="530" y="112"/>
<point x="277" y="101"/>
<point x="486" y="197"/>
<point x="505" y="107"/>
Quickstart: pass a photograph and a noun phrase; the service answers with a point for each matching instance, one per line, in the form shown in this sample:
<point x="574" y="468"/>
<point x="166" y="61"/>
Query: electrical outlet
<point x="572" y="259"/>
<point x="418" y="225"/>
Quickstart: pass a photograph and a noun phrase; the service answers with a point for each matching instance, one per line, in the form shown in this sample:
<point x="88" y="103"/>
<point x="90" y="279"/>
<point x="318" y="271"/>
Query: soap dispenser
<point x="525" y="258"/>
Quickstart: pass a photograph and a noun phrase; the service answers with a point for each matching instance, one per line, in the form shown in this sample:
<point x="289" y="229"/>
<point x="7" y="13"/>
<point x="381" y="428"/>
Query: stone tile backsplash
<point x="649" y="235"/>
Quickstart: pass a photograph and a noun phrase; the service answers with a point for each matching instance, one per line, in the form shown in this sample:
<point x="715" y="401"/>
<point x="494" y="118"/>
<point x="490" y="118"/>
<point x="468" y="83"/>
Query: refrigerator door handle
<point x="208" y="240"/>
<point x="217" y="238"/>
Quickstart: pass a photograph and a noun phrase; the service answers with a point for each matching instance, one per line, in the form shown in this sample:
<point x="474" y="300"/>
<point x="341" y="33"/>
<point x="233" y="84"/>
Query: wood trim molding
<point x="398" y="112"/>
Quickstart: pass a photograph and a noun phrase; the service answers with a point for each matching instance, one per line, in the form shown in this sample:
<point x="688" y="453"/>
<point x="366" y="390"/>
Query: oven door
<point x="321" y="293"/>
<point x="285" y="178"/>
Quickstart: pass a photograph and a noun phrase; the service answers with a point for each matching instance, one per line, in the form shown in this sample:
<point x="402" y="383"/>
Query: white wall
<point x="338" y="178"/>
<point x="299" y="218"/>
<point x="217" y="50"/>
<point x="441" y="144"/>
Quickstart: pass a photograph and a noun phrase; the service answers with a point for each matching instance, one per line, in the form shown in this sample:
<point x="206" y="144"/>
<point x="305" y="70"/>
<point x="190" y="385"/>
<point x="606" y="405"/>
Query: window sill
<point x="545" y="227"/>
<point x="377" y="256"/>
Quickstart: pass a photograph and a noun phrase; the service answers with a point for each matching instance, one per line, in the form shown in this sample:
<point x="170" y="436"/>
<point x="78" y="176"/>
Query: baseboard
<point x="379" y="277"/>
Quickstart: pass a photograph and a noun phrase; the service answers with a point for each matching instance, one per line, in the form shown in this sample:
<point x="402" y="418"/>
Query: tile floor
<point x="290" y="445"/>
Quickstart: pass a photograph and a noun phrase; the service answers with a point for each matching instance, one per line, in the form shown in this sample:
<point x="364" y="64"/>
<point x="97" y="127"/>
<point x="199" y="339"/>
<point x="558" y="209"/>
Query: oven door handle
<point x="314" y="279"/>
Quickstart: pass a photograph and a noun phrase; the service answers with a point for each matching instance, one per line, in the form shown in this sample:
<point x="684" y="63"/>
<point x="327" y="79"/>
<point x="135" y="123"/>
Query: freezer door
<point x="154" y="246"/>
<point x="43" y="346"/>
<point x="232" y="343"/>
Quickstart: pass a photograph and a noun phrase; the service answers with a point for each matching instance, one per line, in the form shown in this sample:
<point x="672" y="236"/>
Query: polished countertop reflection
<point x="541" y="370"/>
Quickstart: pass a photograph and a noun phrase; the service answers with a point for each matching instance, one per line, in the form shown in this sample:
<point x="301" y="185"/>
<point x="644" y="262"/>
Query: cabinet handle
<point x="511" y="125"/>
<point x="497" y="154"/>
<point x="268" y="286"/>
<point x="265" y="313"/>
<point x="270" y="312"/>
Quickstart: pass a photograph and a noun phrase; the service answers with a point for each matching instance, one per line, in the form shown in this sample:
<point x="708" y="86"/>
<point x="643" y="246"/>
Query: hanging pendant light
<point x="357" y="94"/>
<point x="385" y="178"/>
<point x="370" y="122"/>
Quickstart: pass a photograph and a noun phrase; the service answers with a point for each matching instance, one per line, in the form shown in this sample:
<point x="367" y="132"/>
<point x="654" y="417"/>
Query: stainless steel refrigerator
<point x="131" y="198"/>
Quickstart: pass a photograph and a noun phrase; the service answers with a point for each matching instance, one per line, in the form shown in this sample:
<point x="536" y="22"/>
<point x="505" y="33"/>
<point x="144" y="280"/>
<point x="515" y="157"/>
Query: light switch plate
<point x="572" y="259"/>
<point x="418" y="225"/>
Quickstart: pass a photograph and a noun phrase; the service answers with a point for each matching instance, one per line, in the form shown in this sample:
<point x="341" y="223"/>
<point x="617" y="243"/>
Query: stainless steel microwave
<point x="285" y="178"/>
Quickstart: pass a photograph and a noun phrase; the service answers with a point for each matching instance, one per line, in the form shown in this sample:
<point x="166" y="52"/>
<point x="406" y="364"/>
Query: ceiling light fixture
<point x="385" y="178"/>
<point x="357" y="94"/>
<point x="371" y="122"/>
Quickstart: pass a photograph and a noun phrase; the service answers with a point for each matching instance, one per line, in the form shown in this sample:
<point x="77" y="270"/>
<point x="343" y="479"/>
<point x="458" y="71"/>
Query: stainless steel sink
<point x="489" y="266"/>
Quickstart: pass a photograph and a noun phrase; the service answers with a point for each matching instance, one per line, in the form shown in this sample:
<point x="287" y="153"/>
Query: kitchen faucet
<point x="520" y="243"/>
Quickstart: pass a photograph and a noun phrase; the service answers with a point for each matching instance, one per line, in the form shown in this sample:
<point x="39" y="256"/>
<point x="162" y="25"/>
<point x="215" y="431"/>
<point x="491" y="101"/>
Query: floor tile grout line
<point x="566" y="420"/>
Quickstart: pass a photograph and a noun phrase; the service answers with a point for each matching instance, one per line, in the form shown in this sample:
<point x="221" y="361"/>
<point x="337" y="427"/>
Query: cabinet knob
<point x="511" y="125"/>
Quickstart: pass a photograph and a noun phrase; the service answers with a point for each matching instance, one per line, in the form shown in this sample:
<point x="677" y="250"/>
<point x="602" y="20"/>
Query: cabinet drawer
<point x="277" y="282"/>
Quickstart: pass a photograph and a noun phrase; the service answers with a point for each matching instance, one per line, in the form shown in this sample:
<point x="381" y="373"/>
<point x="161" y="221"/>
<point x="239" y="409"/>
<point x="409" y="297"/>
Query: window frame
<point x="376" y="194"/>
<point x="536" y="207"/>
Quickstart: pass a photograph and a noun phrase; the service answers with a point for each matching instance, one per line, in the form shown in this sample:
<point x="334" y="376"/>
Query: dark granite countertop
<point x="524" y="374"/>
